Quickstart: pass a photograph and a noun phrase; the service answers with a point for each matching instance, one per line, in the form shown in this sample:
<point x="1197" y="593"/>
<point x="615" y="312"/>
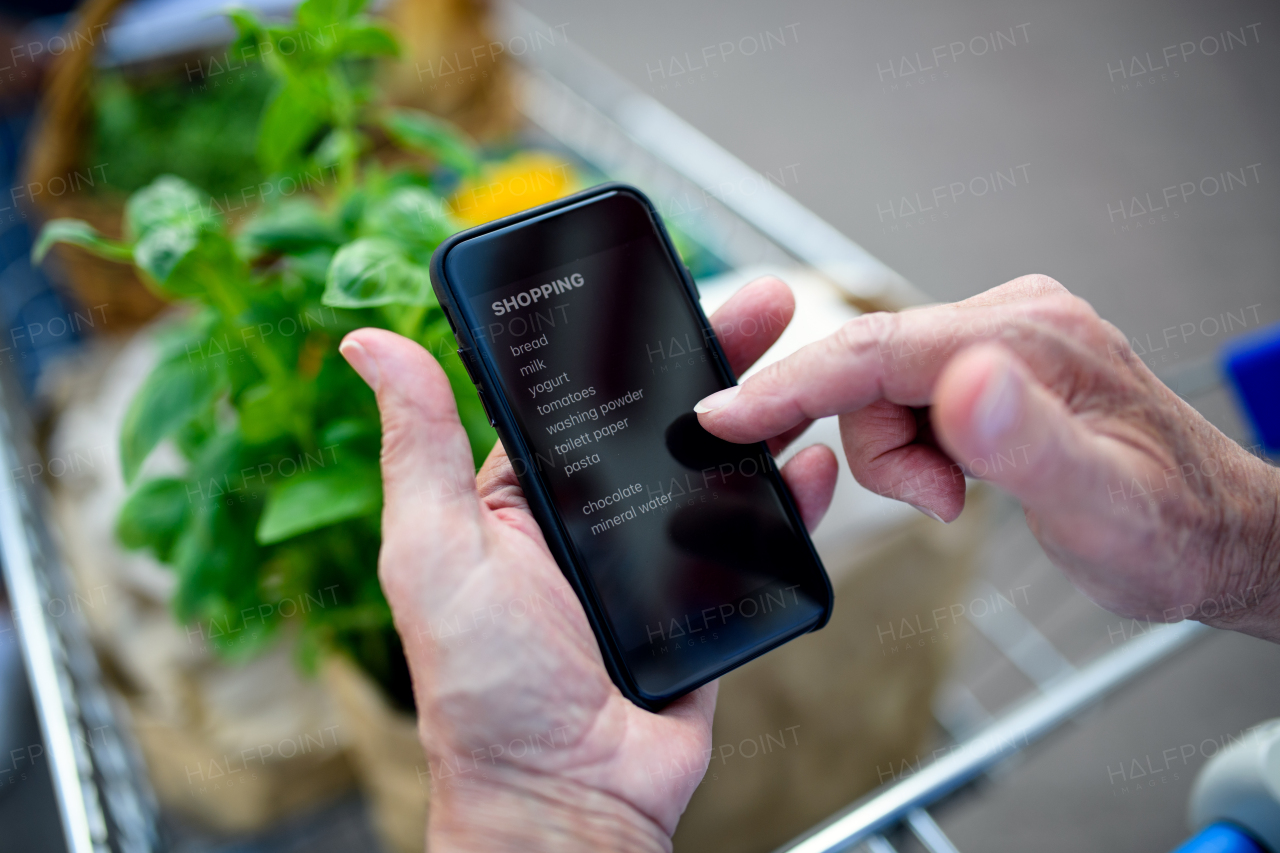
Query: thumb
<point x="994" y="418"/>
<point x="428" y="477"/>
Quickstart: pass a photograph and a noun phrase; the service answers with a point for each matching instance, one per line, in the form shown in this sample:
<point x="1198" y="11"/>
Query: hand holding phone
<point x="582" y="331"/>
<point x="511" y="690"/>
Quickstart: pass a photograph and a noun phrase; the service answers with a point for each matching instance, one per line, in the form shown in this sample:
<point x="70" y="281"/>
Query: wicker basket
<point x="56" y="150"/>
<point x="480" y="103"/>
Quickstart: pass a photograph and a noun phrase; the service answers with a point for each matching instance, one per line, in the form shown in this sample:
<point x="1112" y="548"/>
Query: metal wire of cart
<point x="103" y="798"/>
<point x="907" y="801"/>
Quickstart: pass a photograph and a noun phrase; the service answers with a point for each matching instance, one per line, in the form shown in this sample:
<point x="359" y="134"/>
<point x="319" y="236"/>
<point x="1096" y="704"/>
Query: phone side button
<point x="484" y="404"/>
<point x="466" y="365"/>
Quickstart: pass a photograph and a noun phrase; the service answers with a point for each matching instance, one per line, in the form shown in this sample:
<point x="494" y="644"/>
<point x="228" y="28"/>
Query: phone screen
<point x="599" y="357"/>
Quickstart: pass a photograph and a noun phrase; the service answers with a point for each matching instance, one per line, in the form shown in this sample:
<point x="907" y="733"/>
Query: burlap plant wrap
<point x="810" y="727"/>
<point x="231" y="746"/>
<point x="387" y="755"/>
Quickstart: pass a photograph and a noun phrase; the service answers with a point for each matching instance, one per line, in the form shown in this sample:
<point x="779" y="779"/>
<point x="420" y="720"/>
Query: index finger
<point x="895" y="357"/>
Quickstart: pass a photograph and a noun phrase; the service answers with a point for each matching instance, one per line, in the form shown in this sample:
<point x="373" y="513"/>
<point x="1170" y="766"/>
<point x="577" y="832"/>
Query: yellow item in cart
<point x="524" y="181"/>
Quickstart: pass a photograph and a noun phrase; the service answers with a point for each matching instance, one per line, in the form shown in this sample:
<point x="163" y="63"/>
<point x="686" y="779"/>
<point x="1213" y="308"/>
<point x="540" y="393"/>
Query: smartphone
<point x="582" y="331"/>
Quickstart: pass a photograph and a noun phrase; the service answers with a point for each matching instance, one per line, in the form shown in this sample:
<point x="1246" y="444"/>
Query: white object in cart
<point x="1241" y="786"/>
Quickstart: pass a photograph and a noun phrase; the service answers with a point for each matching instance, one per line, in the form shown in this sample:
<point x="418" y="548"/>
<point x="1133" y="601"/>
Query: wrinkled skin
<point x="1148" y="508"/>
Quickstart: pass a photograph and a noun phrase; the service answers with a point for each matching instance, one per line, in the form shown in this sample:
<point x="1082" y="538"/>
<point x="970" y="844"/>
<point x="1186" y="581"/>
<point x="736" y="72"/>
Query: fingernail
<point x="928" y="512"/>
<point x="718" y="400"/>
<point x="1000" y="406"/>
<point x="360" y="360"/>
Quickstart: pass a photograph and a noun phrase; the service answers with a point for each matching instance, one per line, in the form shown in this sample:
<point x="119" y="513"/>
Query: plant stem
<point x="344" y="122"/>
<point x="282" y="381"/>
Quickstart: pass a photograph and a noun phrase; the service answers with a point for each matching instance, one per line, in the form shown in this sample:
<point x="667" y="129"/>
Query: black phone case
<point x="535" y="491"/>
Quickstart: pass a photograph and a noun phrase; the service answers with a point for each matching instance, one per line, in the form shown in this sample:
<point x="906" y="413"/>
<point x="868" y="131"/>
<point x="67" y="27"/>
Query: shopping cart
<point x="581" y="106"/>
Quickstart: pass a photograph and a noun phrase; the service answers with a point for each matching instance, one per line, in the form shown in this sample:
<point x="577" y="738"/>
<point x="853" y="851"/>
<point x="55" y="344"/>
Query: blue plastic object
<point x="1221" y="838"/>
<point x="1253" y="364"/>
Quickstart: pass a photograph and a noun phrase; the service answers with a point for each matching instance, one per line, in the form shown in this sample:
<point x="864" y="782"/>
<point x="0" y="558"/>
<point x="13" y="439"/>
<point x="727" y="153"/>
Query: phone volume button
<point x="484" y="404"/>
<point x="466" y="365"/>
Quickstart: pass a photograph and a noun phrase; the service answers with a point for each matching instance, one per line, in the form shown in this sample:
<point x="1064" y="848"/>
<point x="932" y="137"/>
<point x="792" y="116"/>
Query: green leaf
<point x="367" y="40"/>
<point x="318" y="498"/>
<point x="176" y="393"/>
<point x="317" y="14"/>
<point x="291" y="119"/>
<point x="249" y="29"/>
<point x="154" y="516"/>
<point x="265" y="413"/>
<point x="348" y="429"/>
<point x="217" y="470"/>
<point x="413" y="217"/>
<point x="185" y="263"/>
<point x="179" y="242"/>
<point x="423" y="132"/>
<point x="292" y="227"/>
<point x="163" y="248"/>
<point x="374" y="271"/>
<point x="167" y="202"/>
<point x="217" y="563"/>
<point x="245" y="20"/>
<point x="188" y="336"/>
<point x="352" y="209"/>
<point x="337" y="147"/>
<point x="304" y="274"/>
<point x="78" y="233"/>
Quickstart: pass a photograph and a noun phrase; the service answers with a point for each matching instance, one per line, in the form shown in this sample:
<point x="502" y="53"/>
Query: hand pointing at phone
<point x="1147" y="507"/>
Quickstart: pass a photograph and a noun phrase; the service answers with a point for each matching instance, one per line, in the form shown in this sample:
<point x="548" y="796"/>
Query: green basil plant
<point x="271" y="522"/>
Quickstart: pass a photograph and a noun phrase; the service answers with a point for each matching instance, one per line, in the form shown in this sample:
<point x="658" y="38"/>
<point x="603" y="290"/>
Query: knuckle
<point x="399" y="435"/>
<point x="1115" y="339"/>
<point x="764" y="383"/>
<point x="867" y="330"/>
<point x="1081" y="307"/>
<point x="394" y="571"/>
<point x="1072" y="313"/>
<point x="1038" y="284"/>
